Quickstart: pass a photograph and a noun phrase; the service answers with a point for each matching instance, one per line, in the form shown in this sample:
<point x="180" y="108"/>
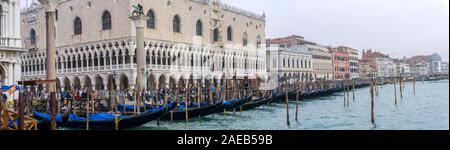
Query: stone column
<point x="51" y="55"/>
<point x="50" y="39"/>
<point x="140" y="22"/>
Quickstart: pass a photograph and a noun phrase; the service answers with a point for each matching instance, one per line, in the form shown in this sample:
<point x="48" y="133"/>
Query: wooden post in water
<point x="401" y="86"/>
<point x="353" y="91"/>
<point x="186" y="106"/>
<point x="21" y="111"/>
<point x="414" y="86"/>
<point x="199" y="94"/>
<point x="116" y="119"/>
<point x="348" y="95"/>
<point x="395" y="90"/>
<point x="298" y="101"/>
<point x="87" y="110"/>
<point x="345" y="96"/>
<point x="287" y="103"/>
<point x="372" y="104"/>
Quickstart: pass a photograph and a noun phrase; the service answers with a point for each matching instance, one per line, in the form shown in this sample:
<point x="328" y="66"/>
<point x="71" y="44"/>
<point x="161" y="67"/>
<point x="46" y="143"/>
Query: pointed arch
<point x="245" y="39"/>
<point x="199" y="28"/>
<point x="106" y="20"/>
<point x="230" y="33"/>
<point x="32" y="36"/>
<point x="78" y="26"/>
<point x="176" y="24"/>
<point x="216" y="35"/>
<point x="151" y="19"/>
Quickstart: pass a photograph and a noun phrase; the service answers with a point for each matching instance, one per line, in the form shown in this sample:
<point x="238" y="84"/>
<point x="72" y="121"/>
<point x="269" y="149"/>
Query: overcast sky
<point x="396" y="27"/>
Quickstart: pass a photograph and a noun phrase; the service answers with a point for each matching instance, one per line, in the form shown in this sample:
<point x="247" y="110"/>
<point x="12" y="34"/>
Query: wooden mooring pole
<point x="345" y="96"/>
<point x="186" y="106"/>
<point x="395" y="91"/>
<point x="401" y="86"/>
<point x="372" y="104"/>
<point x="21" y="111"/>
<point x="353" y="90"/>
<point x="348" y="95"/>
<point x="298" y="97"/>
<point x="87" y="110"/>
<point x="287" y="104"/>
<point x="414" y="86"/>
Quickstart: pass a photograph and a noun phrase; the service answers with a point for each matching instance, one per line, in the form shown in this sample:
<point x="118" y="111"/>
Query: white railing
<point x="10" y="42"/>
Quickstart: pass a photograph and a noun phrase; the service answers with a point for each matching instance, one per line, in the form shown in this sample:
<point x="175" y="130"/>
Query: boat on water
<point x="235" y="103"/>
<point x="254" y="103"/>
<point x="130" y="108"/>
<point x="44" y="122"/>
<point x="193" y="110"/>
<point x="109" y="121"/>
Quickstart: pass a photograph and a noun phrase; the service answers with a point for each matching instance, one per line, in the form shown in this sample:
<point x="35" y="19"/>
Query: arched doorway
<point x="67" y="85"/>
<point x="151" y="82"/>
<point x="76" y="83"/>
<point x="173" y="83"/>
<point x="58" y="85"/>
<point x="162" y="82"/>
<point x="124" y="85"/>
<point x="99" y="83"/>
<point x="181" y="83"/>
<point x="111" y="83"/>
<point x="88" y="83"/>
<point x="2" y="76"/>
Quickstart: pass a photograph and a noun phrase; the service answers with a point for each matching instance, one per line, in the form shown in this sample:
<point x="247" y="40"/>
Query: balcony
<point x="10" y="44"/>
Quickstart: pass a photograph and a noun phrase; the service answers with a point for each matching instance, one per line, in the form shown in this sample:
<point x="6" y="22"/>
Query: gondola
<point x="254" y="103"/>
<point x="44" y="121"/>
<point x="130" y="108"/>
<point x="235" y="103"/>
<point x="179" y="113"/>
<point x="106" y="121"/>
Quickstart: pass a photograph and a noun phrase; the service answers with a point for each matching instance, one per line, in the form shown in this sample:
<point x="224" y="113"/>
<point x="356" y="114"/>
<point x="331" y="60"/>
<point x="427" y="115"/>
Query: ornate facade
<point x="289" y="63"/>
<point x="287" y="59"/>
<point x="191" y="39"/>
<point x="10" y="42"/>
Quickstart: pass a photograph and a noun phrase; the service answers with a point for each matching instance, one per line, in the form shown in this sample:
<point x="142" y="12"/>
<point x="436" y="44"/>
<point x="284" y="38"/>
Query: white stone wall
<point x="289" y="63"/>
<point x="10" y="42"/>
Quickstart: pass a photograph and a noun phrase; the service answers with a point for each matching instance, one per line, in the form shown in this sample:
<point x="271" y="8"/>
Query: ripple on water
<point x="427" y="110"/>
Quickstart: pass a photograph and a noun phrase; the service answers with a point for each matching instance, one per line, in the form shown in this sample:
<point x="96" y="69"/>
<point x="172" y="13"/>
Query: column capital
<point x="140" y="21"/>
<point x="50" y="4"/>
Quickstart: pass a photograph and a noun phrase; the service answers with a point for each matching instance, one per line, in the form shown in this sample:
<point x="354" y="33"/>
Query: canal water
<point x="427" y="110"/>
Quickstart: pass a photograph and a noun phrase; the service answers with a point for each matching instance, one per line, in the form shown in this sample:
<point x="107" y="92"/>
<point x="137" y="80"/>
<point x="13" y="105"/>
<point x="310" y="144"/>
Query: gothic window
<point x="96" y="60"/>
<point x="56" y="14"/>
<point x="199" y="28"/>
<point x="106" y="21"/>
<point x="102" y="59"/>
<point x="216" y="35"/>
<point x="79" y="62"/>
<point x="176" y="24"/>
<point x="245" y="39"/>
<point x="127" y="57"/>
<point x="151" y="19"/>
<point x="32" y="37"/>
<point x="230" y="33"/>
<point x="147" y="58"/>
<point x="153" y="58"/>
<point x="85" y="60"/>
<point x="258" y="42"/>
<point x="113" y="56"/>
<point x="78" y="26"/>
